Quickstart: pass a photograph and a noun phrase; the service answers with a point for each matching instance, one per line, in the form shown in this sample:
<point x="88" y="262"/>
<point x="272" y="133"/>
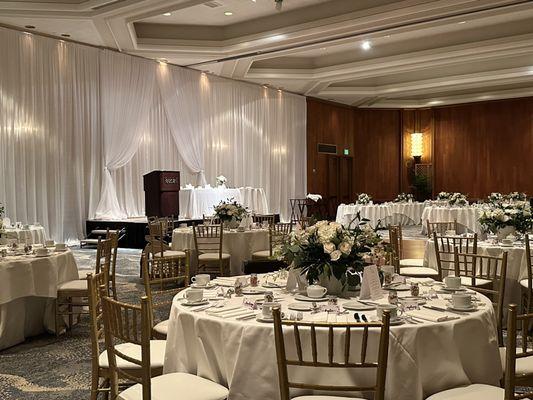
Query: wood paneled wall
<point x="474" y="148"/>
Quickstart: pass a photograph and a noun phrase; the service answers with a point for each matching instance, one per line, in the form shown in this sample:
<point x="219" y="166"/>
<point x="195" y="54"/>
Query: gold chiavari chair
<point x="440" y="227"/>
<point x="157" y="246"/>
<point x="113" y="236"/>
<point x="527" y="283"/>
<point x="73" y="296"/>
<point x="132" y="324"/>
<point x="515" y="356"/>
<point x="343" y="359"/>
<point x="265" y="218"/>
<point x="487" y="276"/>
<point x="445" y="254"/>
<point x="413" y="267"/>
<point x="208" y="245"/>
<point x="104" y="255"/>
<point x="277" y="234"/>
<point x="163" y="278"/>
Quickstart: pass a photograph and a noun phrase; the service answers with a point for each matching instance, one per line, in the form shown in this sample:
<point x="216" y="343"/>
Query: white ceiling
<point x="423" y="52"/>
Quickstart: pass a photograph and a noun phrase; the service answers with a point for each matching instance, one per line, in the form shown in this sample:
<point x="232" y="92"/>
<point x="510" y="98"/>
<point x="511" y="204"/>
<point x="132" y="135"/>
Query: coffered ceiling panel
<point x="367" y="53"/>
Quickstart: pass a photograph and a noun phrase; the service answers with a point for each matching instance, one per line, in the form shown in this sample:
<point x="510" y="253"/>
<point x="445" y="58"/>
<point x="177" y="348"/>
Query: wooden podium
<point x="161" y="193"/>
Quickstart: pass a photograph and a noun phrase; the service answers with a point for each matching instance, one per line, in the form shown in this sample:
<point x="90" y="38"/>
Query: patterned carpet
<point x="50" y="368"/>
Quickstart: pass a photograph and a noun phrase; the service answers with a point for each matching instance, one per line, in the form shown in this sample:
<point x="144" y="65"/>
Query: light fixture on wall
<point x="417" y="146"/>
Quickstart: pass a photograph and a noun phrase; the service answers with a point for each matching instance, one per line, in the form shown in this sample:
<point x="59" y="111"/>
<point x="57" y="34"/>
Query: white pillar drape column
<point x="127" y="92"/>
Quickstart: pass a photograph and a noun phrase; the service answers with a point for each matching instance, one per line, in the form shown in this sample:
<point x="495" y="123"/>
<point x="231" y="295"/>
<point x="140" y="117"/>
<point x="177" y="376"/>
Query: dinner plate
<point x="195" y="303"/>
<point x="251" y="291"/>
<point x="301" y="297"/>
<point x="471" y="308"/>
<point x="419" y="299"/>
<point x="400" y="288"/>
<point x="270" y="285"/>
<point x="356" y="306"/>
<point x="300" y="307"/>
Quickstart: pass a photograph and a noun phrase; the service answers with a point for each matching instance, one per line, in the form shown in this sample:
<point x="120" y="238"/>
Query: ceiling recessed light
<point x="462" y="22"/>
<point x="167" y="14"/>
<point x="228" y="13"/>
<point x="366" y="45"/>
<point x="162" y="61"/>
<point x="29" y="26"/>
<point x="65" y="35"/>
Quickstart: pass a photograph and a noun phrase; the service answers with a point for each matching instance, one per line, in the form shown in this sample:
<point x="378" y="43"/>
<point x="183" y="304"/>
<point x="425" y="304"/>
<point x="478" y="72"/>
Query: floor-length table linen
<point x="466" y="217"/>
<point x="34" y="234"/>
<point x="28" y="290"/>
<point x="375" y="213"/>
<point x="423" y="359"/>
<point x="239" y="245"/>
<point x="406" y="213"/>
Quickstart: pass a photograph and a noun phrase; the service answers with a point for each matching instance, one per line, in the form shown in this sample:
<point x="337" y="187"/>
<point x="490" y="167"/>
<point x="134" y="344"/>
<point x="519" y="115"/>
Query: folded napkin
<point x="314" y="197"/>
<point x="422" y="281"/>
<point x="189" y="186"/>
<point x="431" y="315"/>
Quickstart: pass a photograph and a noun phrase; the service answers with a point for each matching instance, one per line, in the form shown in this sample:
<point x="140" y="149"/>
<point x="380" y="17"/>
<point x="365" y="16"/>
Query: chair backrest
<point x="156" y="238"/>
<point x="485" y="268"/>
<point x="445" y="247"/>
<point x="264" y="218"/>
<point x="104" y="255"/>
<point x="208" y="239"/>
<point x="113" y="236"/>
<point x="127" y="323"/>
<point x="210" y="220"/>
<point x="529" y="260"/>
<point x="96" y="316"/>
<point x="395" y="243"/>
<point x="342" y="358"/>
<point x="278" y="234"/>
<point x="298" y="209"/>
<point x="440" y="227"/>
<point x="163" y="278"/>
<point x="516" y="349"/>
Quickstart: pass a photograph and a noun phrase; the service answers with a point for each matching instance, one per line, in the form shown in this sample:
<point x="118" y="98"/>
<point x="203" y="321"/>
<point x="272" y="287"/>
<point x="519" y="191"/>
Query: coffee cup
<point x="194" y="295"/>
<point x="461" y="300"/>
<point x="507" y="242"/>
<point x="267" y="309"/>
<point x="452" y="282"/>
<point x="316" y="291"/>
<point x="41" y="251"/>
<point x="201" y="279"/>
<point x="393" y="310"/>
<point x="450" y="232"/>
<point x="61" y="246"/>
<point x="49" y="243"/>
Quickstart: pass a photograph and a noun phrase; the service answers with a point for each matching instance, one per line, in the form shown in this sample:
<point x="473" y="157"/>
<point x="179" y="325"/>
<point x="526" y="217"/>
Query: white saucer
<point x="420" y="300"/>
<point x="473" y="307"/>
<point x="260" y="318"/>
<point x="356" y="306"/>
<point x="253" y="290"/>
<point x="208" y="286"/>
<point x="195" y="303"/>
<point x="300" y="307"/>
<point x="396" y="321"/>
<point x="301" y="297"/>
<point x="460" y="289"/>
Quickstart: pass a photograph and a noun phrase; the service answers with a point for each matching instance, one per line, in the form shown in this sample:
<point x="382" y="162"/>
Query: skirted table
<point x="467" y="217"/>
<point x="35" y="234"/>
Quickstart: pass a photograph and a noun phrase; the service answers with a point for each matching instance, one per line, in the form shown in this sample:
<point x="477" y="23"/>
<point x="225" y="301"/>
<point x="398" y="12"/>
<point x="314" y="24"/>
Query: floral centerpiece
<point x="457" y="199"/>
<point x="516" y="196"/>
<point x="331" y="254"/>
<point x="505" y="218"/>
<point x="230" y="213"/>
<point x="221" y="180"/>
<point x="444" y="196"/>
<point x="495" y="198"/>
<point x="404" y="198"/>
<point x="363" y="199"/>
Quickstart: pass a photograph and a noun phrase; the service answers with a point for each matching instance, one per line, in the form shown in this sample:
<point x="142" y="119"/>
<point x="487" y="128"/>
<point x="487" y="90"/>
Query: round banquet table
<point x="466" y="216"/>
<point x="406" y="213"/>
<point x="423" y="358"/>
<point x="195" y="202"/>
<point x="254" y="199"/>
<point x="34" y="235"/>
<point x="28" y="289"/>
<point x="516" y="265"/>
<point x="240" y="245"/>
<point x="373" y="212"/>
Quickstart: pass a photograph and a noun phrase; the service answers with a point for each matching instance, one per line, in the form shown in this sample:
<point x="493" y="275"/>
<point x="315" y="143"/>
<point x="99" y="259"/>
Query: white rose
<point x="329" y="248"/>
<point x="335" y="255"/>
<point x="345" y="248"/>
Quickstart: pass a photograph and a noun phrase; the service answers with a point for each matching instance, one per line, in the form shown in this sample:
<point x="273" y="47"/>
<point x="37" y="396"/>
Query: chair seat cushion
<point x="261" y="254"/>
<point x="76" y="285"/>
<point x="162" y="327"/>
<point x="325" y="398"/>
<point x="83" y="273"/>
<point x="178" y="385"/>
<point x="212" y="256"/>
<point x="467" y="281"/>
<point x="170" y="253"/>
<point x="412" y="262"/>
<point x="471" y="392"/>
<point x="523" y="283"/>
<point x="524" y="365"/>
<point x="418" y="271"/>
<point x="157" y="355"/>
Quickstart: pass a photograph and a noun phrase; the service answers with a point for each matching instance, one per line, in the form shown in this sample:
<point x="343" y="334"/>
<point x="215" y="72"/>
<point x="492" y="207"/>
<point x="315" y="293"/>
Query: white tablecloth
<point x="466" y="216"/>
<point x="373" y="212"/>
<point x="28" y="287"/>
<point x="423" y="358"/>
<point x="240" y="245"/>
<point x="35" y="234"/>
<point x="516" y="265"/>
<point x="196" y="202"/>
<point x="409" y="213"/>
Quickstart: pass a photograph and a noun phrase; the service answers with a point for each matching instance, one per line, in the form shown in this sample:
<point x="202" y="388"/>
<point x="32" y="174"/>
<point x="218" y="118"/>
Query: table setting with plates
<point x="444" y="332"/>
<point x="29" y="276"/>
<point x="23" y="233"/>
<point x="240" y="243"/>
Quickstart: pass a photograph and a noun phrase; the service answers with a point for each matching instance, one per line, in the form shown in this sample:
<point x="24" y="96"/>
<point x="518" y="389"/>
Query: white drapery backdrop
<point x="53" y="137"/>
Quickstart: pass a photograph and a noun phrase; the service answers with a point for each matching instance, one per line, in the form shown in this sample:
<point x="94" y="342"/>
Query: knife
<point x="444" y="310"/>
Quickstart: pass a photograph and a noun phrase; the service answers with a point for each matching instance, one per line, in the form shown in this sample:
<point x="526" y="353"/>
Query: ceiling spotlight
<point x="228" y="13"/>
<point x="65" y="35"/>
<point x="366" y="45"/>
<point x="29" y="26"/>
<point x="167" y="14"/>
<point x="462" y="22"/>
<point x="162" y="61"/>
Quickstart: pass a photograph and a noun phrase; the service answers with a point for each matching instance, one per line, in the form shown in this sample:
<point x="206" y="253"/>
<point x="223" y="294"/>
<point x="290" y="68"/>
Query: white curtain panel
<point x="127" y="90"/>
<point x="49" y="131"/>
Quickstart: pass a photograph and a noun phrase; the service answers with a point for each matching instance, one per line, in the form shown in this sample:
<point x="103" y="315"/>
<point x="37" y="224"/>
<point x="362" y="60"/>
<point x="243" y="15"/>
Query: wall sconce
<point x="417" y="146"/>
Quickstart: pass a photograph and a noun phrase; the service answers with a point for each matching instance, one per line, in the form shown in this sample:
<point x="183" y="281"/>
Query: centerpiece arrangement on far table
<point x="332" y="255"/>
<point x="231" y="213"/>
<point x="506" y="216"/>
